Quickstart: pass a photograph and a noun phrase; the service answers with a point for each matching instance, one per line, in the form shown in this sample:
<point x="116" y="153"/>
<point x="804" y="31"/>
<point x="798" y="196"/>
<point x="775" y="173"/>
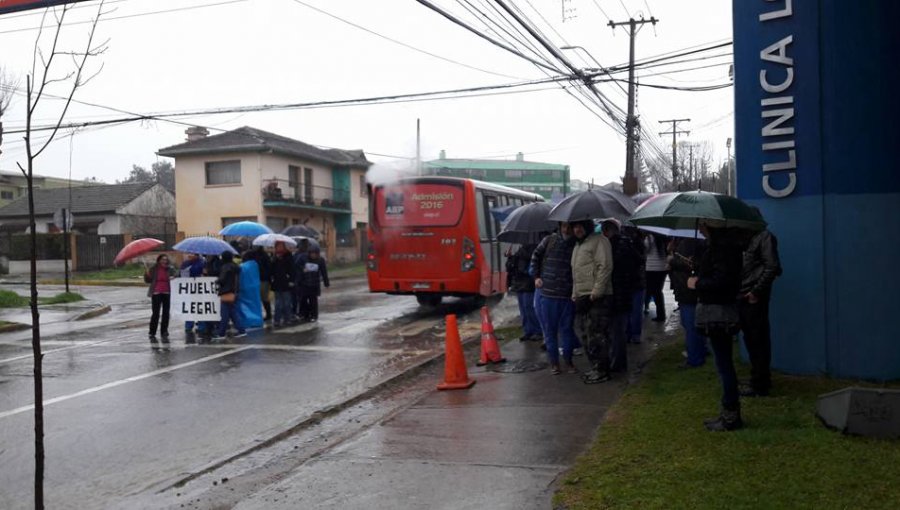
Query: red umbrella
<point x="137" y="248"/>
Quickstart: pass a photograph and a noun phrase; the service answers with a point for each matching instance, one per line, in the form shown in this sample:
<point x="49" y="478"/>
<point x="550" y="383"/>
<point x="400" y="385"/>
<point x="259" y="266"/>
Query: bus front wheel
<point x="429" y="299"/>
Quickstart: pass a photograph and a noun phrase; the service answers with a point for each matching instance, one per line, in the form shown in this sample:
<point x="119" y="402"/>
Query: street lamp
<point x="728" y="170"/>
<point x="588" y="53"/>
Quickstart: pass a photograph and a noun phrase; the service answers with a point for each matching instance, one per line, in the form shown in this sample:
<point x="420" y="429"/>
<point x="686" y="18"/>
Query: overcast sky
<point x="247" y="52"/>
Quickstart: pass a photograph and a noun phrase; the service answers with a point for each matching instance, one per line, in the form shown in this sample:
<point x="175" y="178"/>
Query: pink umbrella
<point x="136" y="249"/>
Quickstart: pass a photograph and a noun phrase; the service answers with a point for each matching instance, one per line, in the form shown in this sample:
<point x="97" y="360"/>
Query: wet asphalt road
<point x="122" y="419"/>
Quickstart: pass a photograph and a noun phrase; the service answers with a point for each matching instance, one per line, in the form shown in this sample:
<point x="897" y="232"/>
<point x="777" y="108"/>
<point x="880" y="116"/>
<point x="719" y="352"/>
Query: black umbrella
<point x="300" y="231"/>
<point x="527" y="224"/>
<point x="594" y="203"/>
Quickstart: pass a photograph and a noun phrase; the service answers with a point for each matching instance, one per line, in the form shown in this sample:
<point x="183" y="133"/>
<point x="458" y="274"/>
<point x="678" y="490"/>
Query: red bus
<point x="435" y="236"/>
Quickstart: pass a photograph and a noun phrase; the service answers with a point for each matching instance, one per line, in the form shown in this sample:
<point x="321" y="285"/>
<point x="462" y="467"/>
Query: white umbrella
<point x="269" y="240"/>
<point x="673" y="232"/>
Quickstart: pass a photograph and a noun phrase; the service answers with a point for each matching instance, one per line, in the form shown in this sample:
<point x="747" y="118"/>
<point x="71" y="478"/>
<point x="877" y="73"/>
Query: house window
<point x="275" y="223"/>
<point x="293" y="180"/>
<point x="363" y="189"/>
<point x="223" y="172"/>
<point x="514" y="174"/>
<point x="6" y="195"/>
<point x="308" y="185"/>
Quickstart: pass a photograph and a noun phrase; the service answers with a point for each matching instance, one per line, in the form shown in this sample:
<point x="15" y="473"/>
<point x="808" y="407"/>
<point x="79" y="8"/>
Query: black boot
<point x="727" y="420"/>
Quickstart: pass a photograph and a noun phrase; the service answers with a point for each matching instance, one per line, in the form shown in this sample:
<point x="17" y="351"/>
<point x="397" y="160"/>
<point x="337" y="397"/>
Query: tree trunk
<point x="35" y="326"/>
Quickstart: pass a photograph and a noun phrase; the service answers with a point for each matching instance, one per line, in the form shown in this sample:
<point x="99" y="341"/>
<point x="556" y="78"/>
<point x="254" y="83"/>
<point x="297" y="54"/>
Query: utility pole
<point x="674" y="132"/>
<point x="728" y="176"/>
<point x="629" y="183"/>
<point x="691" y="174"/>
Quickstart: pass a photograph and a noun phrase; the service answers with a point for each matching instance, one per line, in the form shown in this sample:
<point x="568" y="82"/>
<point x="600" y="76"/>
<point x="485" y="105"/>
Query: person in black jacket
<point x="626" y="263"/>
<point x="314" y="275"/>
<point x="522" y="284"/>
<point x="761" y="267"/>
<point x="229" y="278"/>
<point x="282" y="279"/>
<point x="265" y="276"/>
<point x="686" y="256"/>
<point x="551" y="264"/>
<point x="717" y="283"/>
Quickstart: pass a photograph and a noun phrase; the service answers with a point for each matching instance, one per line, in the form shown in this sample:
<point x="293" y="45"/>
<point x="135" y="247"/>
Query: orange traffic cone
<point x="456" y="377"/>
<point x="490" y="349"/>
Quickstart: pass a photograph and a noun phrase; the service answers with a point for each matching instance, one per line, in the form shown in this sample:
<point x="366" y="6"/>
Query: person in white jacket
<point x="592" y="266"/>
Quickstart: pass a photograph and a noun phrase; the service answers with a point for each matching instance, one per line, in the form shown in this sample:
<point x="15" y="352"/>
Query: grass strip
<point x="114" y="273"/>
<point x="653" y="452"/>
<point x="10" y="299"/>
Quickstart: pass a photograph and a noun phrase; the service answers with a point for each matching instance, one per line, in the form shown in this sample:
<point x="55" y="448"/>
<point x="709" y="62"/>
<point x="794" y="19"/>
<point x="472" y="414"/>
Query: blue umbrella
<point x="245" y="229"/>
<point x="204" y="246"/>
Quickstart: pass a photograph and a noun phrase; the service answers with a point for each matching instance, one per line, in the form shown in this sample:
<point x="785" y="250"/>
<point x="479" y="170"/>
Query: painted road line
<point x="313" y="348"/>
<point x="120" y="382"/>
<point x="69" y="346"/>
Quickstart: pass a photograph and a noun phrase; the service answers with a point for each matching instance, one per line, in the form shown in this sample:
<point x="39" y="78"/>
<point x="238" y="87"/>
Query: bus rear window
<point x="418" y="205"/>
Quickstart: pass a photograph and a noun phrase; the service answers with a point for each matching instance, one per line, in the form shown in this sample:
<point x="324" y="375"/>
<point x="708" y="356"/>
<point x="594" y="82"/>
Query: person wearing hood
<point x="592" y="292"/>
<point x="552" y="268"/>
<point x="229" y="286"/>
<point x="314" y="274"/>
<point x="282" y="280"/>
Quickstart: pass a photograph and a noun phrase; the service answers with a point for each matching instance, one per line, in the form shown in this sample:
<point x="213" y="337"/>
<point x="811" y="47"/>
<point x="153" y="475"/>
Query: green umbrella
<point x="686" y="210"/>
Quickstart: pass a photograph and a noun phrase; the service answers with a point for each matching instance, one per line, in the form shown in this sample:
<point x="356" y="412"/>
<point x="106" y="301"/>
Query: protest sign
<point x="195" y="299"/>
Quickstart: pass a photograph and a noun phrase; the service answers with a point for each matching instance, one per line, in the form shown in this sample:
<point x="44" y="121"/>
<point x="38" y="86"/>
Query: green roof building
<point x="546" y="179"/>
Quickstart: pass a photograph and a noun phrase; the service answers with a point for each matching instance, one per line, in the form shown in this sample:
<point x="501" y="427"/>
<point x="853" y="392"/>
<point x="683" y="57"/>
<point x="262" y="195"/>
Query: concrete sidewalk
<point x="501" y="444"/>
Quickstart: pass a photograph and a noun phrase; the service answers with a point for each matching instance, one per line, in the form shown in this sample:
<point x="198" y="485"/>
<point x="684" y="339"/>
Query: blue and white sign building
<point x="817" y="93"/>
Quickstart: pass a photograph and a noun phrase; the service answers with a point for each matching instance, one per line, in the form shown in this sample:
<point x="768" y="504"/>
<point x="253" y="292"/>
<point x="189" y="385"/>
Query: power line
<point x="127" y="16"/>
<point x="491" y="40"/>
<point x="627" y="12"/>
<point x="597" y="4"/>
<point x="396" y="98"/>
<point x="405" y="45"/>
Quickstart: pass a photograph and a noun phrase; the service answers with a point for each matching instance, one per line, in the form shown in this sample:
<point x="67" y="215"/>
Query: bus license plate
<point x="421" y="285"/>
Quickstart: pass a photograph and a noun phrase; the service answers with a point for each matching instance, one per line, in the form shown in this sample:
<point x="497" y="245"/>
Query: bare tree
<point x="7" y="89"/>
<point x="50" y="67"/>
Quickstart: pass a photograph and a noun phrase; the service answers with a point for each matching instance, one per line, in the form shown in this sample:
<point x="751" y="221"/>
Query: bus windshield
<point x="418" y="205"/>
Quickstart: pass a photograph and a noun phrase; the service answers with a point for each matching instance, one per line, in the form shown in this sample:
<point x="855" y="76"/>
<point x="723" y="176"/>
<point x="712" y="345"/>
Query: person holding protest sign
<point x="158" y="276"/>
<point x="229" y="278"/>
<point x="192" y="267"/>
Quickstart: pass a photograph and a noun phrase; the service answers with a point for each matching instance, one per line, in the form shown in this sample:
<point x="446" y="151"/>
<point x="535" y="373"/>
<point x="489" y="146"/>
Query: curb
<point x="321" y="414"/>
<point x="14" y="326"/>
<point x="95" y="283"/>
<point x="90" y="314"/>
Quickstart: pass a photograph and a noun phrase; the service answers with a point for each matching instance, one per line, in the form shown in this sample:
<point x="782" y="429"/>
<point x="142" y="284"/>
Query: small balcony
<point x="284" y="193"/>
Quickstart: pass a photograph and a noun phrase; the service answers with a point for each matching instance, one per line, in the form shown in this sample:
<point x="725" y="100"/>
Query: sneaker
<point x="578" y="351"/>
<point x="595" y="377"/>
<point x="313" y="319"/>
<point x="165" y="338"/>
<point x="749" y="391"/>
<point x="554" y="369"/>
<point x="152" y="338"/>
<point x="570" y="368"/>
<point x="218" y="338"/>
<point x="240" y="334"/>
<point x="727" y="421"/>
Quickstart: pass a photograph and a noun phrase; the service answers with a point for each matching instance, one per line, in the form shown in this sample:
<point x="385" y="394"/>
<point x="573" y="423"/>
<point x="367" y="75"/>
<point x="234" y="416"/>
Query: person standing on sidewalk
<point x="192" y="267"/>
<point x="655" y="247"/>
<point x="686" y="256"/>
<point x="522" y="284"/>
<point x="265" y="276"/>
<point x="282" y="278"/>
<point x="636" y="317"/>
<point x="717" y="283"/>
<point x="229" y="276"/>
<point x="626" y="263"/>
<point x="592" y="292"/>
<point x="159" y="276"/>
<point x="551" y="263"/>
<point x="760" y="269"/>
<point x="315" y="274"/>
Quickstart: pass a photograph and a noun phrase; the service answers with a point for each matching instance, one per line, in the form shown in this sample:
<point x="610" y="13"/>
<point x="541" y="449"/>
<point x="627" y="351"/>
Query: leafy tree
<point x="162" y="172"/>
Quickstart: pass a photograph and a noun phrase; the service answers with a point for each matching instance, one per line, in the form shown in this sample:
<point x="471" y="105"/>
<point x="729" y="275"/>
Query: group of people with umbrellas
<point x="586" y="259"/>
<point x="246" y="274"/>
